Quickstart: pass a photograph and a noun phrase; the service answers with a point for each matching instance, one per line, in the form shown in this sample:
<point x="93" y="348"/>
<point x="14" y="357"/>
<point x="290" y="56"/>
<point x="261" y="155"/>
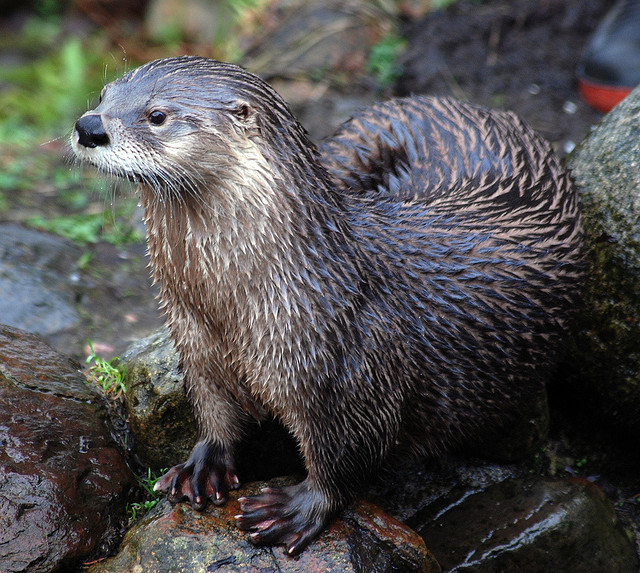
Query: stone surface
<point x="45" y="290"/>
<point x="171" y="20"/>
<point x="159" y="414"/>
<point x="527" y="525"/>
<point x="62" y="480"/>
<point x="323" y="39"/>
<point x="179" y="539"/>
<point x="34" y="281"/>
<point x="604" y="368"/>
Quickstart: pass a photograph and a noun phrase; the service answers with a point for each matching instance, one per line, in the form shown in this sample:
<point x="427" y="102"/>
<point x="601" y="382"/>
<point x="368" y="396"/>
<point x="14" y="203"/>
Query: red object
<point x="601" y="96"/>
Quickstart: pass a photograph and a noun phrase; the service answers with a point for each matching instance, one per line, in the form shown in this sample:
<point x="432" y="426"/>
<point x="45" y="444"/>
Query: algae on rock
<point x="604" y="366"/>
<point x="160" y="416"/>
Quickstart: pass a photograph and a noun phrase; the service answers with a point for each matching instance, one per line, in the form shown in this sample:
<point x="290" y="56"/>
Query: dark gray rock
<point x="35" y="272"/>
<point x="603" y="371"/>
<point x="63" y="483"/>
<point x="527" y="525"/>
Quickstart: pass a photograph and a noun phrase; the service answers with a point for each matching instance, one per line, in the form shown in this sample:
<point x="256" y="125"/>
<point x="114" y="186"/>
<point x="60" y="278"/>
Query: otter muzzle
<point x="90" y="131"/>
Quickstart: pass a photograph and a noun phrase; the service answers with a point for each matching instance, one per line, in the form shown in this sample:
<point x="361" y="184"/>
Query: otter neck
<point x="252" y="244"/>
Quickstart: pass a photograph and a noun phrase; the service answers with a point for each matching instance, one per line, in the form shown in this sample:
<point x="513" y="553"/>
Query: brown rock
<point x="62" y="480"/>
<point x="180" y="539"/>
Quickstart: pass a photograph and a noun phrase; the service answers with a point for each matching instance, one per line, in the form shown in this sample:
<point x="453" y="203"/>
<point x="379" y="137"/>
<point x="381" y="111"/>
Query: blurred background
<point x="72" y="252"/>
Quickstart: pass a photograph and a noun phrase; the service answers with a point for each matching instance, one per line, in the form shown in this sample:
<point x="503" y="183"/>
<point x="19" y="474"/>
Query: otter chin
<point x="405" y="287"/>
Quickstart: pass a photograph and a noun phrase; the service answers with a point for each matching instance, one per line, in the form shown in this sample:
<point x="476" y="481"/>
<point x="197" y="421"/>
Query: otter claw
<point x="206" y="476"/>
<point x="291" y="516"/>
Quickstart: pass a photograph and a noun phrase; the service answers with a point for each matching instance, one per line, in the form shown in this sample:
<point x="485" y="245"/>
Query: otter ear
<point x="243" y="110"/>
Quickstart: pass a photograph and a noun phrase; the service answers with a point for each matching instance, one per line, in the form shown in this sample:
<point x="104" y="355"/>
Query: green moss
<point x="603" y="366"/>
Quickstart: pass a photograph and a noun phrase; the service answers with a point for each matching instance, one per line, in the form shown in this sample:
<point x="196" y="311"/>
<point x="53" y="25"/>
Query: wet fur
<point x="410" y="285"/>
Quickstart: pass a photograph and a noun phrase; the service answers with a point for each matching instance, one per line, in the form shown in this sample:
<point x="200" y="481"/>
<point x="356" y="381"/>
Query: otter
<point x="402" y="288"/>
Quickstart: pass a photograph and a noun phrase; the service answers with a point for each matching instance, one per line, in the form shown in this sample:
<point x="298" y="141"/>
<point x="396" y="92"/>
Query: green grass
<point x="136" y="509"/>
<point x="56" y="79"/>
<point x="41" y="97"/>
<point x="106" y="374"/>
<point x="110" y="226"/>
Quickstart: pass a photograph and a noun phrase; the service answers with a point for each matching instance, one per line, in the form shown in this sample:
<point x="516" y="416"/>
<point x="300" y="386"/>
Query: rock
<point x="160" y="416"/>
<point x="603" y="371"/>
<point x="412" y="484"/>
<point x="320" y="38"/>
<point x="62" y="480"/>
<point x="46" y="290"/>
<point x="195" y="20"/>
<point x="180" y="539"/>
<point x="34" y="279"/>
<point x="527" y="525"/>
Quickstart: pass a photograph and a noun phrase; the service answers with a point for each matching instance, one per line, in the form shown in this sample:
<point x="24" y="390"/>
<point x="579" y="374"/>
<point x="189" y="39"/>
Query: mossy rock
<point x="604" y="366"/>
<point x="162" y="422"/>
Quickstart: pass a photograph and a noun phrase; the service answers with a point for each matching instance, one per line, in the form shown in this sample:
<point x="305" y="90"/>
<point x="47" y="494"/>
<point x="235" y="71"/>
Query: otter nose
<point x="90" y="131"/>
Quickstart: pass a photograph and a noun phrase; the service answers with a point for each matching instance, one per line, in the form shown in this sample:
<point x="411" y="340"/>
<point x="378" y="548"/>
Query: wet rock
<point x="604" y="369"/>
<point x="523" y="525"/>
<point x="62" y="480"/>
<point x="159" y="414"/>
<point x="34" y="281"/>
<point x="411" y="485"/>
<point x="180" y="539"/>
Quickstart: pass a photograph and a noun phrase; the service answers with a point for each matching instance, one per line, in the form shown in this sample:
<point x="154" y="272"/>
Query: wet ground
<point x="519" y="55"/>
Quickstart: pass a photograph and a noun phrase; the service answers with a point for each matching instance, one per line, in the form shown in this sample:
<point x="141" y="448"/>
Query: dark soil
<point x="519" y="55"/>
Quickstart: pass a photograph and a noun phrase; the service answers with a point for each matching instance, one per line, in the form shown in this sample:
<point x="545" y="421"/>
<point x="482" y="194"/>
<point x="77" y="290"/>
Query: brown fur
<point x="409" y="287"/>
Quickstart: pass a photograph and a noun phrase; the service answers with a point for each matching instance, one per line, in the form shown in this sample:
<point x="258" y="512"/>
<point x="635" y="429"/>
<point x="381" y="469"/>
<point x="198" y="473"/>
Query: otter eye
<point x="157" y="117"/>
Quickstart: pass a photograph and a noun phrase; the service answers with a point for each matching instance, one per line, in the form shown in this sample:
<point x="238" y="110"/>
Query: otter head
<point x="172" y="124"/>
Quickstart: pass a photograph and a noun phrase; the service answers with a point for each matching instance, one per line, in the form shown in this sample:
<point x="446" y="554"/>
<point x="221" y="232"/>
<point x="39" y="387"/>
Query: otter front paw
<point x="208" y="474"/>
<point x="291" y="516"/>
